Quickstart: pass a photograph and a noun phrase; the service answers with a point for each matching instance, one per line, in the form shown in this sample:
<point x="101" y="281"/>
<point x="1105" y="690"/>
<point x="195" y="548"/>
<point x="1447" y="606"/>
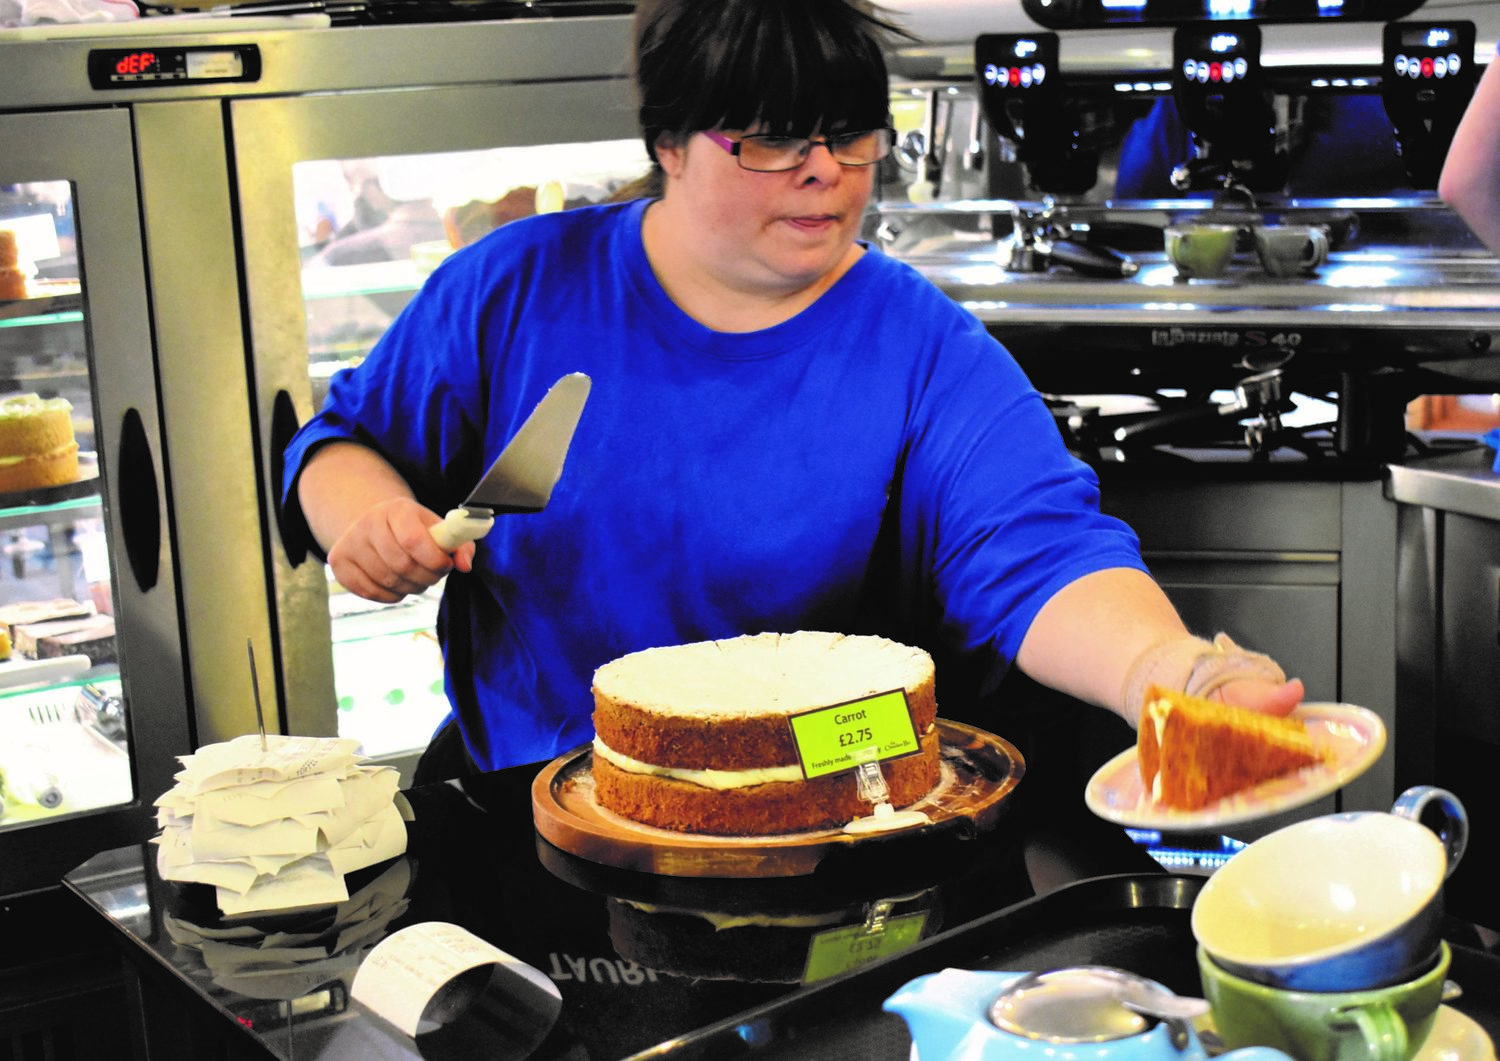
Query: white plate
<point x="21" y="671"/>
<point x="1352" y="736"/>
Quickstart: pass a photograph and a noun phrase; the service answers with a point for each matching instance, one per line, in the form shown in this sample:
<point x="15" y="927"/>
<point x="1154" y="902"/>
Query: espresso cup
<point x="1380" y="1024"/>
<point x="1342" y="902"/>
<point x="1291" y="250"/>
<point x="1200" y="250"/>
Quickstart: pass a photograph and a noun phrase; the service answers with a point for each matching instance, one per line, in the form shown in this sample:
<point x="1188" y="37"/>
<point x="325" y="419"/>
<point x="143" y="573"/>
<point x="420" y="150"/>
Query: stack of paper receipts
<point x="277" y="827"/>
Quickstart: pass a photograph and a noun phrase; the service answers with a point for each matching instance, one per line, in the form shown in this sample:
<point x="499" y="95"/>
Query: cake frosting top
<point x="31" y="405"/>
<point x="762" y="674"/>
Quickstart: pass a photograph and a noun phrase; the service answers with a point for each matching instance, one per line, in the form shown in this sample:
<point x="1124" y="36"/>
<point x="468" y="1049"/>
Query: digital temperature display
<point x="136" y="64"/>
<point x="146" y="67"/>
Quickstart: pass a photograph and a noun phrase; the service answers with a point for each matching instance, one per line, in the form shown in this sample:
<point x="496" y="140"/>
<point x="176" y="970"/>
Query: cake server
<point x="522" y="477"/>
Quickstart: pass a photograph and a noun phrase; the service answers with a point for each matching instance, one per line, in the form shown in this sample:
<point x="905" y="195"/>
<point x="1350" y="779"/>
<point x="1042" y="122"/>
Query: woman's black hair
<point x="790" y="67"/>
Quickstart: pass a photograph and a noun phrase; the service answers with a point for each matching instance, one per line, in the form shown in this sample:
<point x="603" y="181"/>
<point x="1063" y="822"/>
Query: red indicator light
<point x="1427" y="66"/>
<point x="1014" y="76"/>
<point x="1215" y="71"/>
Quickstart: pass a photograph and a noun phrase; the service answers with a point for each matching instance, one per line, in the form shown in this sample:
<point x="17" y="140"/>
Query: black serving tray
<point x="1139" y="923"/>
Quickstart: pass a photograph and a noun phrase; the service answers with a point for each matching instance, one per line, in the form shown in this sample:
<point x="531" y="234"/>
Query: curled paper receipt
<point x="407" y="970"/>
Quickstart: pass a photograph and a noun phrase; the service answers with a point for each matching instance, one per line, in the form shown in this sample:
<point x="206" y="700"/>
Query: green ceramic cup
<point x="1381" y="1024"/>
<point x="1200" y="250"/>
<point x="1291" y="250"/>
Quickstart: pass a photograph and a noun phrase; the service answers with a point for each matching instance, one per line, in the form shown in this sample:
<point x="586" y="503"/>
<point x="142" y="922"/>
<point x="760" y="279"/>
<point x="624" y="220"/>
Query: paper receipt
<point x="407" y="970"/>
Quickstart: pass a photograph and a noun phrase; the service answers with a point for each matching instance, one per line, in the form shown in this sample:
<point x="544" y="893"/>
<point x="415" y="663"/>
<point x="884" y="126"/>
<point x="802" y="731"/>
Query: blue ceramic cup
<point x="1343" y="902"/>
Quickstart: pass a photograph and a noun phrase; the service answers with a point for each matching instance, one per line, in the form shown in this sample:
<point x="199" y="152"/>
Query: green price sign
<point x="832" y="739"/>
<point x="840" y="949"/>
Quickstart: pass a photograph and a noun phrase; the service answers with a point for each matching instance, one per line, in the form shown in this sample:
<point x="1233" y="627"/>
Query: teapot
<point x="1063" y="1014"/>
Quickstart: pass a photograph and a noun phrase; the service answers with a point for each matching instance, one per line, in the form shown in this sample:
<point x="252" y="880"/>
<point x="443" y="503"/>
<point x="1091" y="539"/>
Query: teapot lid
<point x="1077" y="1005"/>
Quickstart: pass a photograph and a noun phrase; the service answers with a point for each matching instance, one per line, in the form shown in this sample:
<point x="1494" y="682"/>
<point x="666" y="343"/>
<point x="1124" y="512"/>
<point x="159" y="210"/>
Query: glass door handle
<point x="140" y="502"/>
<point x="284" y="425"/>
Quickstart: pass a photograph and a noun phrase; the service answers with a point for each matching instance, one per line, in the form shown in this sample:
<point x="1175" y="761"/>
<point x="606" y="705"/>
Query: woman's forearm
<point x="341" y="481"/>
<point x="1470" y="181"/>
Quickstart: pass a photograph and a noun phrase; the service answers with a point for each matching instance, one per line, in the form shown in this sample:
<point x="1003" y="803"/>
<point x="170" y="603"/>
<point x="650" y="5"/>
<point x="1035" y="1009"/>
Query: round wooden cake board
<point x="979" y="773"/>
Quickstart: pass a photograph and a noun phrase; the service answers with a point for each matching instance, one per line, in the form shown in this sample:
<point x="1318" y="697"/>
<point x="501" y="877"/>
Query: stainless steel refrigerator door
<point x="190" y="242"/>
<point x="272" y="137"/>
<point x="119" y="523"/>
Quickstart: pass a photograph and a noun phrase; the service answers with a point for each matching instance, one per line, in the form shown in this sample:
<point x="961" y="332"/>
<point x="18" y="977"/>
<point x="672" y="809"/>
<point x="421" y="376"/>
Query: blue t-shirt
<point x="876" y="464"/>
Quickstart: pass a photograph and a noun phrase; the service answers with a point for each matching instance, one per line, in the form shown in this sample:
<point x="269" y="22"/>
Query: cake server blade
<point x="522" y="477"/>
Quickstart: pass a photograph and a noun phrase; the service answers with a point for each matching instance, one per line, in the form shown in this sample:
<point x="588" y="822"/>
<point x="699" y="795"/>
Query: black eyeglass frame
<point x="733" y="147"/>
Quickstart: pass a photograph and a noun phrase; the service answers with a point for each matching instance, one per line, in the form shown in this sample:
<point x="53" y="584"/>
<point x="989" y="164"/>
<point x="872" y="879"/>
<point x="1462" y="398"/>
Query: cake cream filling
<point x="721" y="780"/>
<point x="715" y="779"/>
<point x="1158" y="711"/>
<point x="51" y="454"/>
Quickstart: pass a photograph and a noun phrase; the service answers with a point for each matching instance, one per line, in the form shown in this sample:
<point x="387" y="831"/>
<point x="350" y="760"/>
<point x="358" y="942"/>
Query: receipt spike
<point x="260" y="716"/>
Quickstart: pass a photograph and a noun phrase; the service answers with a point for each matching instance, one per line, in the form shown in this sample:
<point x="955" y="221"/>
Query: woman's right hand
<point x="387" y="552"/>
<point x="376" y="536"/>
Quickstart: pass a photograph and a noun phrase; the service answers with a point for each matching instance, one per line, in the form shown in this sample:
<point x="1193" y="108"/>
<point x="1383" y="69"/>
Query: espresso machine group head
<point x="1055" y="132"/>
<point x="1427" y="78"/>
<point x="1224" y="99"/>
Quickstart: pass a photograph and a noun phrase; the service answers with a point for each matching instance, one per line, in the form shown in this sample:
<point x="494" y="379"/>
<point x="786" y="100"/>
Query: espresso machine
<point x="1062" y="253"/>
<point x="1244" y="424"/>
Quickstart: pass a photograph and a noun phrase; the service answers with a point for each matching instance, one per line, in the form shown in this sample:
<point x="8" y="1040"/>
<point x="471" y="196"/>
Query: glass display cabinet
<point x="93" y="708"/>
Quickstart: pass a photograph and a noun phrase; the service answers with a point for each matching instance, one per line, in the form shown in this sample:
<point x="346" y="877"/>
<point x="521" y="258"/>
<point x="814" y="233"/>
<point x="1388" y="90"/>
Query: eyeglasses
<point x="761" y="153"/>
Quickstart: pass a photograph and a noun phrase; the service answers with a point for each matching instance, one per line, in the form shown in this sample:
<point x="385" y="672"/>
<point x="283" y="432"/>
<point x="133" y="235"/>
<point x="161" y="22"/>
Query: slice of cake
<point x="41" y="611"/>
<point x="12" y="279"/>
<point x="12" y="284"/>
<point x="37" y="447"/>
<point x="93" y="638"/>
<point x="1194" y="751"/>
<point x="696" y="737"/>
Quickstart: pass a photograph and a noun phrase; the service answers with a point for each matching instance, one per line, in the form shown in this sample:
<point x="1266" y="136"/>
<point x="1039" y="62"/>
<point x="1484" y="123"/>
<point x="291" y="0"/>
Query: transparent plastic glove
<point x="39" y="12"/>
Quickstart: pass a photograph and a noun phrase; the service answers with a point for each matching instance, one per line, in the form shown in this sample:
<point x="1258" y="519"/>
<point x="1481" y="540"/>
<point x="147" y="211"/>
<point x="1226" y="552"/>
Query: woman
<point x="787" y="430"/>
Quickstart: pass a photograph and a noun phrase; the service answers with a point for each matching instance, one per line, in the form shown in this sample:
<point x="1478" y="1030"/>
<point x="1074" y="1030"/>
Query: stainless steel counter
<point x="1464" y="482"/>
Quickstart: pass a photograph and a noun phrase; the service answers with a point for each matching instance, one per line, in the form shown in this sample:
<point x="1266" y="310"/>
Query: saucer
<point x="1455" y="1036"/>
<point x="1351" y="737"/>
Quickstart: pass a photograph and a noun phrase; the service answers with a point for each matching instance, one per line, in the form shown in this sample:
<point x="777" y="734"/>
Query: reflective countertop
<point x="632" y="974"/>
<point x="640" y="972"/>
